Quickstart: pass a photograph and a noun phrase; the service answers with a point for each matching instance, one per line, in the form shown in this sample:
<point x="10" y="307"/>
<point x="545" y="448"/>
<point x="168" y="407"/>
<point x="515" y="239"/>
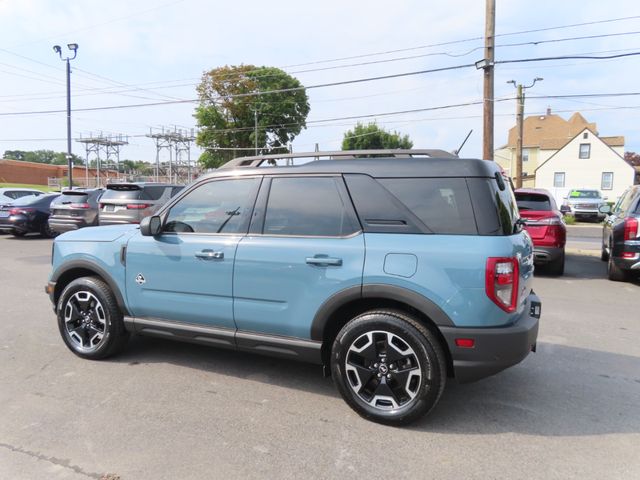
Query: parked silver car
<point x="131" y="202"/>
<point x="583" y="203"/>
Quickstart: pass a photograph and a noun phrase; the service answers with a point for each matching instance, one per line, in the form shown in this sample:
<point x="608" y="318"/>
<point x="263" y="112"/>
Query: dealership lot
<point x="180" y="411"/>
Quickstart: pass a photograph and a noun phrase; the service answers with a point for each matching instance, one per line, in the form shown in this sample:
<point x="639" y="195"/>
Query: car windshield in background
<point x="532" y="201"/>
<point x="112" y="194"/>
<point x="584" y="194"/>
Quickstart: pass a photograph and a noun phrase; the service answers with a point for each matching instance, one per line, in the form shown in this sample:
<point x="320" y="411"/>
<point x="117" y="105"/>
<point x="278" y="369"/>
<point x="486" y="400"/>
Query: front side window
<point x="307" y="206"/>
<point x="585" y="150"/>
<point x="607" y="181"/>
<point x="222" y="206"/>
<point x="558" y="179"/>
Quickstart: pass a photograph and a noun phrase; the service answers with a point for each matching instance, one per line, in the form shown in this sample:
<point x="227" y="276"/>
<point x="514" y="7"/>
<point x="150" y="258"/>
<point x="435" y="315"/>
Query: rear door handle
<point x="209" y="254"/>
<point x="324" y="261"/>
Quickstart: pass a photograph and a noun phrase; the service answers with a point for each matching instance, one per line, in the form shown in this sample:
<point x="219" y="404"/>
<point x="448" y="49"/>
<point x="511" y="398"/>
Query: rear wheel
<point x="89" y="319"/>
<point x="614" y="272"/>
<point x="604" y="255"/>
<point x="17" y="233"/>
<point x="557" y="267"/>
<point x="388" y="367"/>
<point x="46" y="231"/>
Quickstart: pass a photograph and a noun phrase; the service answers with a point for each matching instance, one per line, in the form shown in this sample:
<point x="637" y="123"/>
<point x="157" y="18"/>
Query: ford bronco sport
<point x="395" y="273"/>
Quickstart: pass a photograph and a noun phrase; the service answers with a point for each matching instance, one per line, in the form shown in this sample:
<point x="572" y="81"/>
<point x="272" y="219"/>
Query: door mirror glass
<point x="151" y="226"/>
<point x="604" y="209"/>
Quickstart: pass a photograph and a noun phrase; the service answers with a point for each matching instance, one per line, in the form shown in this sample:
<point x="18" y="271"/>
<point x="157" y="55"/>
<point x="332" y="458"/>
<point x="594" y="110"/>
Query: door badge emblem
<point x="140" y="280"/>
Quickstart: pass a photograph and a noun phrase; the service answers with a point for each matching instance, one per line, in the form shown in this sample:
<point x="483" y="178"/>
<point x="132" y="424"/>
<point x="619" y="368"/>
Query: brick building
<point x="16" y="171"/>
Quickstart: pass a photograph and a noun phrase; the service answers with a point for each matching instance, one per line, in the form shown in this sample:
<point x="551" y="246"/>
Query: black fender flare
<point x="98" y="270"/>
<point x="384" y="291"/>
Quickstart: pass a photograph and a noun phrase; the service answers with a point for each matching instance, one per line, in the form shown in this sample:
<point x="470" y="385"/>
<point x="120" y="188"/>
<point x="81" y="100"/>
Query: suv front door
<point x="185" y="274"/>
<point x="304" y="245"/>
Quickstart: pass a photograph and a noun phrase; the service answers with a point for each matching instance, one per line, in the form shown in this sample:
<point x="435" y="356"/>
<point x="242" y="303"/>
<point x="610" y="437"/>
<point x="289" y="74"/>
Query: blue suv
<point x="395" y="273"/>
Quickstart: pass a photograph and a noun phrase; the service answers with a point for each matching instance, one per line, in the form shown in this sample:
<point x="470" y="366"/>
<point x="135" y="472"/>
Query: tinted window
<point x="222" y="206"/>
<point x="309" y="206"/>
<point x="153" y="192"/>
<point x="625" y="203"/>
<point x="73" y="198"/>
<point x="533" y="201"/>
<point x="176" y="190"/>
<point x="111" y="194"/>
<point x="443" y="204"/>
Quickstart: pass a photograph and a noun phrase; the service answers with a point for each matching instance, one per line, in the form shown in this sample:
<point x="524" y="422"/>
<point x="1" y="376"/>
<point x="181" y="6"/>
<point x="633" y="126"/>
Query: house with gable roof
<point x="561" y="154"/>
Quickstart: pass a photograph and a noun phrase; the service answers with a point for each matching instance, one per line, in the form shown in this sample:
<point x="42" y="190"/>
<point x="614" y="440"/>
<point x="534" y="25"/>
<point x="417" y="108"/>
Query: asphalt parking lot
<point x="166" y="410"/>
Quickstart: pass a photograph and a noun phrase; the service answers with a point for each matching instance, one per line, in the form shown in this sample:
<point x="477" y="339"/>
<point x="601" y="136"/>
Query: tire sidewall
<point x="432" y="376"/>
<point x="88" y="285"/>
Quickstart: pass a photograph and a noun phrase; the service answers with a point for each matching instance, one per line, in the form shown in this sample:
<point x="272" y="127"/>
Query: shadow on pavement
<point x="559" y="391"/>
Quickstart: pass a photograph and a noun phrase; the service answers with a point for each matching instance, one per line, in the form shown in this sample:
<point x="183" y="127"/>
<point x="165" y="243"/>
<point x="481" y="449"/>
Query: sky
<point x="140" y="52"/>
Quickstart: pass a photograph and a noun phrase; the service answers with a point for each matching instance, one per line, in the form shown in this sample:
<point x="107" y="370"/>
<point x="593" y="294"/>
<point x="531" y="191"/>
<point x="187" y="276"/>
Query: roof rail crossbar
<point x="256" y="161"/>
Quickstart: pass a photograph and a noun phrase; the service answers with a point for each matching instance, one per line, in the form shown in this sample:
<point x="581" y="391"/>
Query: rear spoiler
<point x="123" y="186"/>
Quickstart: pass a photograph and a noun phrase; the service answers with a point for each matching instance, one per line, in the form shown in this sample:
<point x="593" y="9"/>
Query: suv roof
<point x="387" y="163"/>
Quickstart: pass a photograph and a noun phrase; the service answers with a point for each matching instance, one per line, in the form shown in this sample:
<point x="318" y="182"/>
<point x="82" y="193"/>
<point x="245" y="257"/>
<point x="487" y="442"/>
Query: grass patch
<point x="43" y="188"/>
<point x="569" y="219"/>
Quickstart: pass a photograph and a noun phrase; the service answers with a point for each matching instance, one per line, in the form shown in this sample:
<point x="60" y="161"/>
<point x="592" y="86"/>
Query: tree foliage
<point x="42" y="156"/>
<point x="226" y="112"/>
<point x="632" y="158"/>
<point x="371" y="136"/>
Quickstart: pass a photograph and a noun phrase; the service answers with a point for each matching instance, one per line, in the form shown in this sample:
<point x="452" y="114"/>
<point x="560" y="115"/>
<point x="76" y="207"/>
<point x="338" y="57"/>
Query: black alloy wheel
<point x="388" y="367"/>
<point x="89" y="319"/>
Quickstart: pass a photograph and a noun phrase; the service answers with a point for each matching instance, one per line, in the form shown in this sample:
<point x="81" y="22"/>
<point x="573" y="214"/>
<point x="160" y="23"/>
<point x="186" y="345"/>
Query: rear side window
<point x="442" y="204"/>
<point x="112" y="194"/>
<point x="307" y="206"/>
<point x="533" y="201"/>
<point x="153" y="192"/>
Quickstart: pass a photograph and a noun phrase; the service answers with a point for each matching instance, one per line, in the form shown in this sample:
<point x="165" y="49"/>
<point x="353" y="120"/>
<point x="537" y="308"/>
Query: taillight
<point x="137" y="206"/>
<point x="630" y="228"/>
<point x="21" y="211"/>
<point x="80" y="205"/>
<point x="544" y="221"/>
<point x="501" y="282"/>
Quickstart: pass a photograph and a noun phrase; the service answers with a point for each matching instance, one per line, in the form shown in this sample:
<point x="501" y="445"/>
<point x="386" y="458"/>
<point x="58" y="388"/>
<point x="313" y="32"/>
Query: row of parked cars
<point x="25" y="211"/>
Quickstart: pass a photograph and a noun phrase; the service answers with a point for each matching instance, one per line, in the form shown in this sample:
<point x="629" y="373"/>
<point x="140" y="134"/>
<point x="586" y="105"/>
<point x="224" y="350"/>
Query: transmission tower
<point x="105" y="150"/>
<point x="178" y="142"/>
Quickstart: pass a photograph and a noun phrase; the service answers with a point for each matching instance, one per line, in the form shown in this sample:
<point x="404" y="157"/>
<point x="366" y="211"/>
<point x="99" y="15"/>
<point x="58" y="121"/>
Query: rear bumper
<point x="543" y="255"/>
<point x="66" y="225"/>
<point x="629" y="246"/>
<point x="496" y="348"/>
<point x="17" y="223"/>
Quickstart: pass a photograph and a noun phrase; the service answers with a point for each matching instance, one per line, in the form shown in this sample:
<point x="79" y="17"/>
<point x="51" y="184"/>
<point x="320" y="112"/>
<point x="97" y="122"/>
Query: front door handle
<point x="323" y="261"/>
<point x="208" y="254"/>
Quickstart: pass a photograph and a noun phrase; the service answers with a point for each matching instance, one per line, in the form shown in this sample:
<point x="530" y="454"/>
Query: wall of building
<point x="15" y="171"/>
<point x="585" y="172"/>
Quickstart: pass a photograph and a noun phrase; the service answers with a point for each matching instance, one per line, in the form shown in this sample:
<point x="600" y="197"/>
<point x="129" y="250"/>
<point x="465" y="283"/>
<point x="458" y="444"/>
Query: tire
<point x="369" y="351"/>
<point x="604" y="255"/>
<point x="614" y="272"/>
<point x="557" y="267"/>
<point x="89" y="319"/>
<point x="46" y="231"/>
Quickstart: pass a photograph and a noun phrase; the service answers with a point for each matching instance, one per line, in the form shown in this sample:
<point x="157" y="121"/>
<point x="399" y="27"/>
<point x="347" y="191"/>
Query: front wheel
<point x="90" y="320"/>
<point x="388" y="367"/>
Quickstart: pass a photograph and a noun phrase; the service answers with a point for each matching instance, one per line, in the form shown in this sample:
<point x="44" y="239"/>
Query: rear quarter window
<point x="154" y="192"/>
<point x="442" y="204"/>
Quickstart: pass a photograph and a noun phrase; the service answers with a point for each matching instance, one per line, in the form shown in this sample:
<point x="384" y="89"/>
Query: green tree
<point x="228" y="101"/>
<point x="371" y="136"/>
<point x="42" y="156"/>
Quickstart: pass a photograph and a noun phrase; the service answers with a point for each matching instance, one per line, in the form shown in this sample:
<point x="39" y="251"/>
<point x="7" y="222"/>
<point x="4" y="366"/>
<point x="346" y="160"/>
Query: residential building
<point x="561" y="154"/>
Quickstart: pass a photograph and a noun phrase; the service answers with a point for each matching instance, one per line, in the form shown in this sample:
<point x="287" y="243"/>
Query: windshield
<point x="584" y="194"/>
<point x="532" y="201"/>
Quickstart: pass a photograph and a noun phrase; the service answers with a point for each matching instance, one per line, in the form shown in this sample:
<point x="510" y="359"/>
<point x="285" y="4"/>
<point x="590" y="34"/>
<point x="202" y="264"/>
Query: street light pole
<point x="74" y="48"/>
<point x="519" y="127"/>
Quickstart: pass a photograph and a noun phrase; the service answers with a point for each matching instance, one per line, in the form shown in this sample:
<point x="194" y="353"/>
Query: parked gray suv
<point x="75" y="209"/>
<point x="131" y="202"/>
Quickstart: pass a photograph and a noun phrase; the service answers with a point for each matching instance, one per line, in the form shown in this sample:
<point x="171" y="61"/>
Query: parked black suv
<point x="621" y="236"/>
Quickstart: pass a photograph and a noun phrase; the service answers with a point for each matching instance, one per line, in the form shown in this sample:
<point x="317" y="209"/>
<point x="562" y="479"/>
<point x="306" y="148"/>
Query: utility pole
<point x="519" y="128"/>
<point x="255" y="131"/>
<point x="487" y="65"/>
<point x="74" y="48"/>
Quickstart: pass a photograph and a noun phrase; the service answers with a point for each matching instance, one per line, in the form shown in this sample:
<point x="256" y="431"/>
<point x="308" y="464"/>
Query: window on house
<point x="585" y="135"/>
<point x="558" y="179"/>
<point x="525" y="154"/>
<point x="585" y="150"/>
<point x="607" y="181"/>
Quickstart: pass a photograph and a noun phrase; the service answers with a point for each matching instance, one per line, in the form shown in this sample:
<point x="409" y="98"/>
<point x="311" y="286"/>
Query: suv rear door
<point x="305" y="244"/>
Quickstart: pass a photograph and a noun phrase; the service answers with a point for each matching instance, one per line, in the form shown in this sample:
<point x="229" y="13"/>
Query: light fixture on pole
<point x="519" y="127"/>
<point x="73" y="47"/>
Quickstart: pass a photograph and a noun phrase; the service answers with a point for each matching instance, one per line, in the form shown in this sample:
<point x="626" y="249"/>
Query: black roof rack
<point x="256" y="161"/>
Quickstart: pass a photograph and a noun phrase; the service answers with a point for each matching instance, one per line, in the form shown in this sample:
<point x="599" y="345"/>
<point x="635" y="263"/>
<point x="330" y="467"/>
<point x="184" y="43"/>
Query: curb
<point x="580" y="251"/>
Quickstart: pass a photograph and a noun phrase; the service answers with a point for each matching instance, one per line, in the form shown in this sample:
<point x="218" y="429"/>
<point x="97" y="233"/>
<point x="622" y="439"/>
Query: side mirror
<point x="151" y="226"/>
<point x="604" y="209"/>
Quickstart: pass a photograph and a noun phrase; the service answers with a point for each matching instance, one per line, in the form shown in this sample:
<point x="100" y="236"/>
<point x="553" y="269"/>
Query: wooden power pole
<point x="519" y="124"/>
<point x="489" y="50"/>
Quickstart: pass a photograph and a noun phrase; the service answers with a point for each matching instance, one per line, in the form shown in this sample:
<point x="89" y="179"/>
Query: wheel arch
<point x="335" y="312"/>
<point x="81" y="268"/>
